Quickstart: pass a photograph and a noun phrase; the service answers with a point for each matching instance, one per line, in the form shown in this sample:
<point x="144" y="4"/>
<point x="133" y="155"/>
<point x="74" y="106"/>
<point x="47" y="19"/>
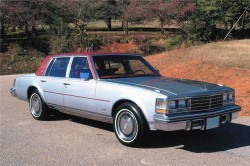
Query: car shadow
<point x="57" y="116"/>
<point x="229" y="136"/>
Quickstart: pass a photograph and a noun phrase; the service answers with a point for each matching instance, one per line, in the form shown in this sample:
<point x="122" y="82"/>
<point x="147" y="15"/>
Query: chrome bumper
<point x="198" y="120"/>
<point x="13" y="92"/>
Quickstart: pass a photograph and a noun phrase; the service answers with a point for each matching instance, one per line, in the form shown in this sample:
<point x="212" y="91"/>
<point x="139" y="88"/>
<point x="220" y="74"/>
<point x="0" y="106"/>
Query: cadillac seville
<point x="126" y="91"/>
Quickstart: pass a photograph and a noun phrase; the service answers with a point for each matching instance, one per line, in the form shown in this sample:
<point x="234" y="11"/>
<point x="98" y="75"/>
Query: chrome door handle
<point x="66" y="84"/>
<point x="43" y="80"/>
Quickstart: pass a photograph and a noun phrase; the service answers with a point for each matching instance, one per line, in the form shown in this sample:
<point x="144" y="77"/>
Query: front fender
<point x="146" y="102"/>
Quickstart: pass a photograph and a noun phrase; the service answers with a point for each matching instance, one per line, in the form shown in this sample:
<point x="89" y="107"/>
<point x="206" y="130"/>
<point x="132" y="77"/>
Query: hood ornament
<point x="205" y="86"/>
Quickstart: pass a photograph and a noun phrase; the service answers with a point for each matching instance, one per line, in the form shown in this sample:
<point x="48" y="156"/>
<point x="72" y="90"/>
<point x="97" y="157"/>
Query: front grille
<point x="206" y="102"/>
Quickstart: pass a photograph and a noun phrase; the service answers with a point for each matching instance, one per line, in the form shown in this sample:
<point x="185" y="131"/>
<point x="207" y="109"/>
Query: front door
<point x="79" y="88"/>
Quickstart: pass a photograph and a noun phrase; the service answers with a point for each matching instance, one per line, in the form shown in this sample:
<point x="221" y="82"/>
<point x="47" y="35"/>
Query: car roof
<point x="41" y="69"/>
<point x="90" y="54"/>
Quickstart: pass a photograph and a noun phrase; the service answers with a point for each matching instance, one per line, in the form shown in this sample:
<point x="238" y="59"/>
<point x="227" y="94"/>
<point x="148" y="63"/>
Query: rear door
<point x="53" y="81"/>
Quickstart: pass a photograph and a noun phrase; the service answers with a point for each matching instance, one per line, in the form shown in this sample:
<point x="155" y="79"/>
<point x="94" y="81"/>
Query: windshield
<point x="120" y="66"/>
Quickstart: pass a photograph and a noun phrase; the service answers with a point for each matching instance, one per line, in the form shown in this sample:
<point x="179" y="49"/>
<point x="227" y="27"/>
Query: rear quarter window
<point x="49" y="67"/>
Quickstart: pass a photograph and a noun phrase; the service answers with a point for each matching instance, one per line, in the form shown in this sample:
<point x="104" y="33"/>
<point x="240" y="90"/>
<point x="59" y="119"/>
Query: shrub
<point x="149" y="49"/>
<point x="58" y="44"/>
<point x="140" y="39"/>
<point x="15" y="51"/>
<point x="121" y="41"/>
<point x="175" y="41"/>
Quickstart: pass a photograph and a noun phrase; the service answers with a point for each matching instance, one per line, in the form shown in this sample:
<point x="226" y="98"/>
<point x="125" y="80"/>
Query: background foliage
<point x="31" y="28"/>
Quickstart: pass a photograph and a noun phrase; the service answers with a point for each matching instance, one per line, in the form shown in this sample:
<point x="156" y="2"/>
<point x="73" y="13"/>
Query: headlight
<point x="228" y="98"/>
<point x="225" y="97"/>
<point x="177" y="106"/>
<point x="161" y="106"/>
<point x="172" y="104"/>
<point x="182" y="104"/>
<point x="231" y="98"/>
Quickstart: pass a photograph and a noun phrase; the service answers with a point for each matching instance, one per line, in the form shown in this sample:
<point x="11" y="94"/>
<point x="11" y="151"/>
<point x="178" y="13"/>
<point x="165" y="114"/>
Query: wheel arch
<point x="121" y="101"/>
<point x="31" y="89"/>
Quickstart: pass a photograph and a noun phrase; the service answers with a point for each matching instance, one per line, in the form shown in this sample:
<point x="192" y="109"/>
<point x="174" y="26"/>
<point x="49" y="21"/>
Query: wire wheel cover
<point x="35" y="105"/>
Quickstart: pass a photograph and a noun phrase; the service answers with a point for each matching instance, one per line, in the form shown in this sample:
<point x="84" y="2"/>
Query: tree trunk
<point x="14" y="28"/>
<point x="33" y="29"/>
<point x="2" y="30"/>
<point x="162" y="25"/>
<point x="26" y="27"/>
<point x="243" y="25"/>
<point x="108" y="22"/>
<point x="123" y="24"/>
<point x="126" y="27"/>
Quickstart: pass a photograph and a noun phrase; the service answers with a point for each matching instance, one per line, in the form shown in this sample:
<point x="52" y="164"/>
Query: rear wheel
<point x="129" y="124"/>
<point x="37" y="106"/>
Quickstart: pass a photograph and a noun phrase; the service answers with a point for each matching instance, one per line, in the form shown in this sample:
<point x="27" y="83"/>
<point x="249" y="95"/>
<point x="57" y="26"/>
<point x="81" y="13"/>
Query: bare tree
<point x="167" y="10"/>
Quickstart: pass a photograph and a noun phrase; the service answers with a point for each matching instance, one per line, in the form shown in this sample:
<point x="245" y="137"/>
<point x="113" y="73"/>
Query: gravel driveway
<point x="68" y="140"/>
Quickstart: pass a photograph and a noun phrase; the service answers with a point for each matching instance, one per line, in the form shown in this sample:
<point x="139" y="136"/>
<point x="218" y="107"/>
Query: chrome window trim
<point x="56" y="57"/>
<point x="48" y="66"/>
<point x="69" y="67"/>
<point x="52" y="57"/>
<point x="84" y="56"/>
<point x="69" y="64"/>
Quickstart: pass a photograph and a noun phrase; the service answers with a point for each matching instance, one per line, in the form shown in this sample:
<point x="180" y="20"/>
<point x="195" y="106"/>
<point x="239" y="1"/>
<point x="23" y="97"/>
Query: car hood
<point x="172" y="86"/>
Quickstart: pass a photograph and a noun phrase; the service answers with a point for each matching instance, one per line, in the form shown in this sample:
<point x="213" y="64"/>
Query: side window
<point x="49" y="67"/>
<point x="59" y="67"/>
<point x="80" y="66"/>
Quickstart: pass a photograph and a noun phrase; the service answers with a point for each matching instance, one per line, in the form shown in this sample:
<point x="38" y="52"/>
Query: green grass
<point x="99" y="24"/>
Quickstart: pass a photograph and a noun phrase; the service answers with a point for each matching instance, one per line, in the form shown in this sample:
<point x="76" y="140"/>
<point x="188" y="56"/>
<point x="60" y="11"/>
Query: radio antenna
<point x="236" y="23"/>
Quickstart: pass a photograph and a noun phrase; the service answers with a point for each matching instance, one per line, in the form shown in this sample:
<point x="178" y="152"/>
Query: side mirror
<point x="84" y="76"/>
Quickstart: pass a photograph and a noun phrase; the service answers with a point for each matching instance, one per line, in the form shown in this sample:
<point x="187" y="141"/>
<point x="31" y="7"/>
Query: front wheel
<point x="130" y="125"/>
<point x="37" y="106"/>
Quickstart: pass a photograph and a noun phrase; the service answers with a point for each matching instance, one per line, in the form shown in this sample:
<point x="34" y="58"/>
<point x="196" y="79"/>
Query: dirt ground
<point x="118" y="47"/>
<point x="225" y="63"/>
